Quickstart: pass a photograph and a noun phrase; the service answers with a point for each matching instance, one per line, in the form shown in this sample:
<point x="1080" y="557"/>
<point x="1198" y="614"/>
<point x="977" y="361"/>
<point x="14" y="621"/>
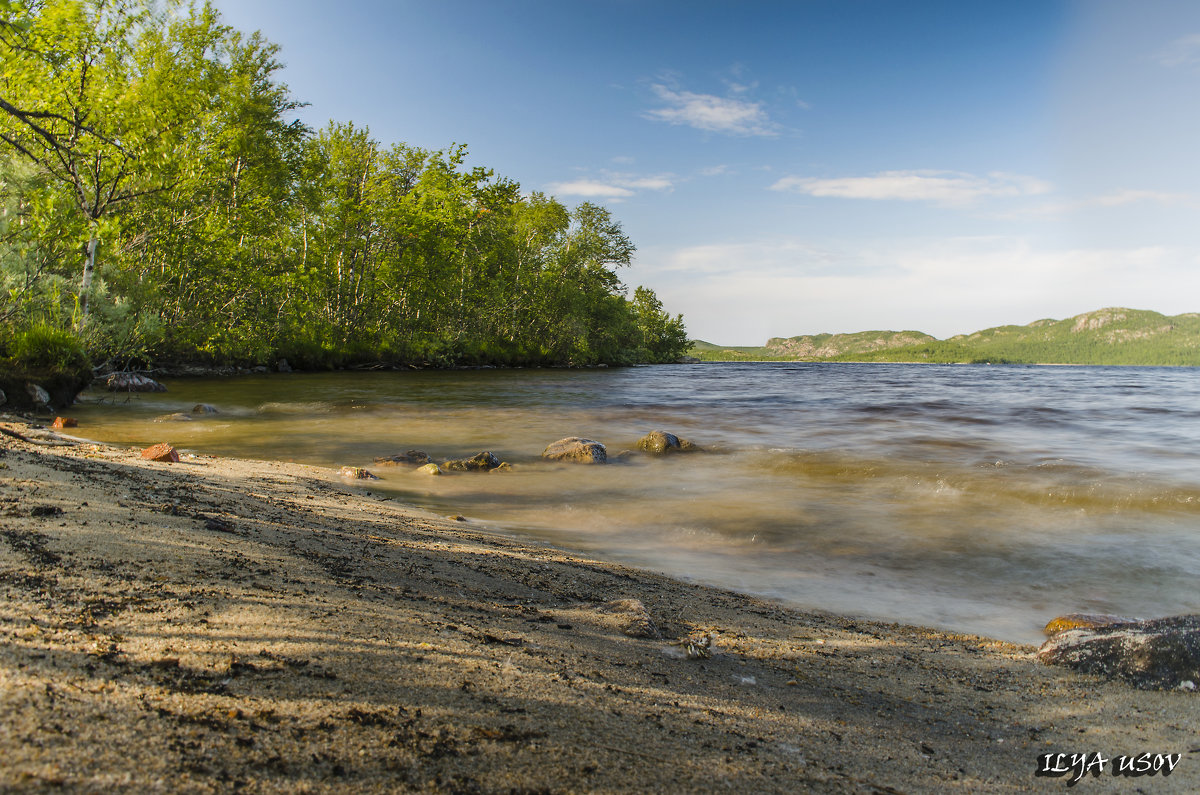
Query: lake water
<point x="984" y="499"/>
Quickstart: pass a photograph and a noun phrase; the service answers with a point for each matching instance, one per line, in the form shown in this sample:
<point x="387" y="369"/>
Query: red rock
<point x="161" y="452"/>
<point x="65" y="422"/>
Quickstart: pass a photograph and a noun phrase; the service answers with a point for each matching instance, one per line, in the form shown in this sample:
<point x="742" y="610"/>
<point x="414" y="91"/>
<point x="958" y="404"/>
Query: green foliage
<point x="45" y="348"/>
<point x="228" y="233"/>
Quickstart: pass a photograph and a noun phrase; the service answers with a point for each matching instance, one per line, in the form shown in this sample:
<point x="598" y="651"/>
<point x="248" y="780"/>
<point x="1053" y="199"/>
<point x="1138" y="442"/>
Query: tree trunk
<point x="85" y="284"/>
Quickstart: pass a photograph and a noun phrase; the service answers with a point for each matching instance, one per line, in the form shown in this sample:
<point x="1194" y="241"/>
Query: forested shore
<point x="160" y="204"/>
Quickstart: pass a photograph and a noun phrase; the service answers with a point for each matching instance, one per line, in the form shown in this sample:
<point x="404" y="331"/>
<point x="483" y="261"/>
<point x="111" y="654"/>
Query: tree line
<point x="160" y="204"/>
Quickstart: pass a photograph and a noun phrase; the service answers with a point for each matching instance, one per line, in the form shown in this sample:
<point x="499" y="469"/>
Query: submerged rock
<point x="577" y="450"/>
<point x="504" y="467"/>
<point x="161" y="452"/>
<point x="358" y="473"/>
<point x="481" y="462"/>
<point x="1159" y="654"/>
<point x="660" y="442"/>
<point x="204" y="408"/>
<point x="1083" y="621"/>
<point x="178" y="416"/>
<point x="409" y="457"/>
<point x="132" y="382"/>
<point x="429" y="469"/>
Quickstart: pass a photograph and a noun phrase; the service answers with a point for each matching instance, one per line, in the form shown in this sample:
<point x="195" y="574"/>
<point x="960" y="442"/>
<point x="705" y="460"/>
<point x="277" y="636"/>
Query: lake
<point x="984" y="499"/>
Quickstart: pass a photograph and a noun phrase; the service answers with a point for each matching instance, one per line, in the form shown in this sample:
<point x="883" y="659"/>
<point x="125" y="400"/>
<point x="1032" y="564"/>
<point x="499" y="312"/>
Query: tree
<point x="664" y="338"/>
<point x="92" y="94"/>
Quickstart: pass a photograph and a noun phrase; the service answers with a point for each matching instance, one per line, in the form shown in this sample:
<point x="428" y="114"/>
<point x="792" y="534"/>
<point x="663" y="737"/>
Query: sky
<point x="807" y="166"/>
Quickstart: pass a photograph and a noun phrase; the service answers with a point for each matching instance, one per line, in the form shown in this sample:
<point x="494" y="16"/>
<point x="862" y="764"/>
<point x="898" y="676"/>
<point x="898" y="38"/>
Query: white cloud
<point x="1123" y="197"/>
<point x="1118" y="198"/>
<point x="612" y="186"/>
<point x="1184" y="51"/>
<point x="590" y="189"/>
<point x="711" y="113"/>
<point x="742" y="294"/>
<point x="714" y="171"/>
<point x="942" y="187"/>
<point x="661" y="182"/>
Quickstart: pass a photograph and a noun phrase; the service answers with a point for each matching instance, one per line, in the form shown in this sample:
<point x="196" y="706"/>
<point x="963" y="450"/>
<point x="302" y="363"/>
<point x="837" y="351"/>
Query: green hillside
<point x="1106" y="336"/>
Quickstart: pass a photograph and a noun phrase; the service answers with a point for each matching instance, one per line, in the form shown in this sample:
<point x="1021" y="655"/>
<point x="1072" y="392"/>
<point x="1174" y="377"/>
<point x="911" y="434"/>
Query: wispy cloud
<point x="589" y="189"/>
<point x="1184" y="51"/>
<point x="942" y="287"/>
<point x="941" y="187"/>
<point x="1123" y="197"/>
<point x="1117" y="198"/>
<point x="728" y="115"/>
<point x="612" y="186"/>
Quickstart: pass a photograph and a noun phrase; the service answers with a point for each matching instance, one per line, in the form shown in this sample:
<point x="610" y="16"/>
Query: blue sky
<point x="801" y="167"/>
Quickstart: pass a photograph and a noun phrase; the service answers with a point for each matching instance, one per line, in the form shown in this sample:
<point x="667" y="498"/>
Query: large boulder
<point x="661" y="442"/>
<point x="132" y="382"/>
<point x="39" y="396"/>
<point x="1159" y="654"/>
<point x="576" y="450"/>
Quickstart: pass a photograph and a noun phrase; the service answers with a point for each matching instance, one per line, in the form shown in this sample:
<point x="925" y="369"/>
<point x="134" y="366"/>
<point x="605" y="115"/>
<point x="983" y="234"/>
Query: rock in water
<point x="429" y="469"/>
<point x="418" y="457"/>
<point x="1083" y="621"/>
<point x="161" y="452"/>
<point x="178" y="416"/>
<point x="132" y="382"/>
<point x="1159" y="654"/>
<point x="481" y="462"/>
<point x="64" y="422"/>
<point x="358" y="473"/>
<point x="577" y="450"/>
<point x="660" y="442"/>
<point x="204" y="408"/>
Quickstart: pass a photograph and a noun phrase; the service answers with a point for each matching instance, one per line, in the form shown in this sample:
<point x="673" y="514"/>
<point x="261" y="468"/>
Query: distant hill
<point x="1106" y="336"/>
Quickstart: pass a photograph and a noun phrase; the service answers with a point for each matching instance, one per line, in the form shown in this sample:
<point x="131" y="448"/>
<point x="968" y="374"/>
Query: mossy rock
<point x="661" y="442"/>
<point x="482" y="462"/>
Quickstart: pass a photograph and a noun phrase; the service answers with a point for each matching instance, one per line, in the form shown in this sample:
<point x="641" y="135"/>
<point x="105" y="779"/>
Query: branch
<point x="25" y="116"/>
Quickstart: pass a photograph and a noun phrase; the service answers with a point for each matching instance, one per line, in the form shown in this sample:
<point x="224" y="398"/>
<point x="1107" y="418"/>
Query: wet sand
<point x="220" y="625"/>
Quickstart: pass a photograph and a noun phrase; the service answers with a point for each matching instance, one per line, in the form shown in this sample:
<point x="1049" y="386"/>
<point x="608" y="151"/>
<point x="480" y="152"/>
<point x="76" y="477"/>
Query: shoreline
<point x="219" y="623"/>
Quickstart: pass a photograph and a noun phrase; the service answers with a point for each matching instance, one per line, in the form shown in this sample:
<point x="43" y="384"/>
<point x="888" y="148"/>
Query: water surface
<point x="977" y="498"/>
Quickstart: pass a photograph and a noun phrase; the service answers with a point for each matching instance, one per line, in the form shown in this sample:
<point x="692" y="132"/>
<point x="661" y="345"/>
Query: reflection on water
<point x="984" y="499"/>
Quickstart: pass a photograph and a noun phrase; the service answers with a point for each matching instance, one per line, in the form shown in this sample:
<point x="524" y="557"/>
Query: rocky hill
<point x="1106" y="336"/>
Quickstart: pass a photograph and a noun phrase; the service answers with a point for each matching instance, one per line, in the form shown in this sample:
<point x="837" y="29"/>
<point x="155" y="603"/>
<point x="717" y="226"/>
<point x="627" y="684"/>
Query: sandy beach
<point x="220" y="625"/>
